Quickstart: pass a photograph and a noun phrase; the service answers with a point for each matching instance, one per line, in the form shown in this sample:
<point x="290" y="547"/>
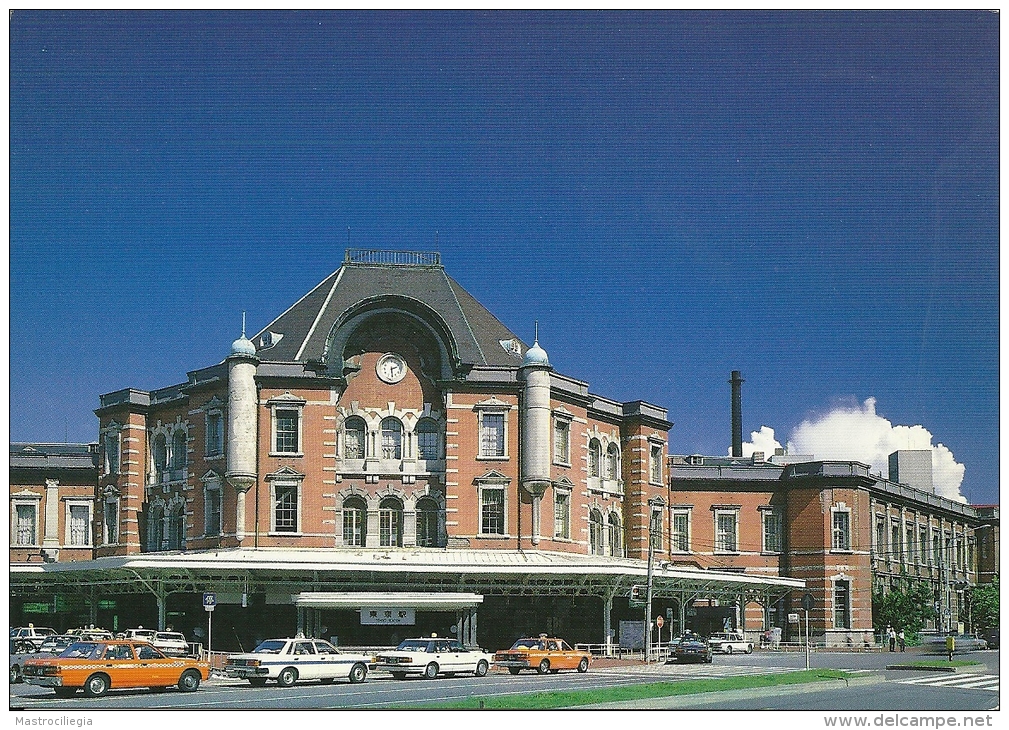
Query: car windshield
<point x="57" y="643"/>
<point x="83" y="650"/>
<point x="270" y="647"/>
<point x="413" y="645"/>
<point x="527" y="644"/>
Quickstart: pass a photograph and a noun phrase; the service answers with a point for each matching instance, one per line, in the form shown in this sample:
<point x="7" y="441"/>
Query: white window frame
<point x="34" y="502"/>
<point x="212" y="449"/>
<point x="833" y="602"/>
<point x="924" y="554"/>
<point x="879" y="530"/>
<point x="437" y="433"/>
<point x="216" y="486"/>
<point x="911" y="546"/>
<point x="562" y="439"/>
<point x="686" y="513"/>
<point x="174" y="464"/>
<point x="595" y="463"/>
<point x="285" y="482"/>
<point x="110" y="432"/>
<point x="598" y="532"/>
<point x="364" y="439"/>
<point x="362" y="528"/>
<point x="834" y="512"/>
<point x="482" y="413"/>
<point x="88" y="504"/>
<point x="287" y="402"/>
<point x="655" y="467"/>
<point x="720" y="547"/>
<point x="395" y="517"/>
<point x="482" y="490"/>
<point x="766" y="516"/>
<point x="562" y="494"/>
<point x="105" y="520"/>
<point x="614" y="550"/>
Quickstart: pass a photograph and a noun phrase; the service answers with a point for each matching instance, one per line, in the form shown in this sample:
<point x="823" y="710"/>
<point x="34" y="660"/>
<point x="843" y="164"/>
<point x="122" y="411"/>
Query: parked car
<point x="98" y="666"/>
<point x="991" y="636"/>
<point x="692" y="648"/>
<point x="433" y="656"/>
<point x="141" y="634"/>
<point x="729" y="642"/>
<point x="936" y="643"/>
<point x="92" y="634"/>
<point x="171" y="642"/>
<point x="290" y="660"/>
<point x="51" y="646"/>
<point x="28" y="638"/>
<point x="544" y="655"/>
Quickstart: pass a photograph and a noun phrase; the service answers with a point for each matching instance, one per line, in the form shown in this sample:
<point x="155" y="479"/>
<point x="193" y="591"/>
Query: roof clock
<point x="391" y="368"/>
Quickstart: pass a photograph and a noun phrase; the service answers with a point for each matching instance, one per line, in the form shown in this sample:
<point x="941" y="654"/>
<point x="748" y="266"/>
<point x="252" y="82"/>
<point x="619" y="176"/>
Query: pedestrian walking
<point x="891" y="637"/>
<point x="901" y="640"/>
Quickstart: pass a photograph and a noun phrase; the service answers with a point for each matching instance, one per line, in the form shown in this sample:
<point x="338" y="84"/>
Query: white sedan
<point x="730" y="642"/>
<point x="290" y="660"/>
<point x="430" y="657"/>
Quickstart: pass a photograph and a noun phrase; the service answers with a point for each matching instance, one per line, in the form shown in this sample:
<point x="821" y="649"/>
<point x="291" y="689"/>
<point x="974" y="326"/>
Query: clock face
<point x="391" y="368"/>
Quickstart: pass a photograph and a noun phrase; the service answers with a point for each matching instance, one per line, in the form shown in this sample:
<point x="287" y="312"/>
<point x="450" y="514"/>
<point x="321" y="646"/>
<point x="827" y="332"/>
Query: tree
<point x="982" y="605"/>
<point x="906" y="608"/>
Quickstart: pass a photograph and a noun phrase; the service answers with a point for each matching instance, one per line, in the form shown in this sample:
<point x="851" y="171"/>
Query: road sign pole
<point x="210" y="628"/>
<point x="807" y="638"/>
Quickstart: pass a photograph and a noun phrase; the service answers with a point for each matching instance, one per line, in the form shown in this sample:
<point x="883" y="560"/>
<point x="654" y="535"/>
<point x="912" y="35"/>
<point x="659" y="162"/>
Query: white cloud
<point x="857" y="433"/>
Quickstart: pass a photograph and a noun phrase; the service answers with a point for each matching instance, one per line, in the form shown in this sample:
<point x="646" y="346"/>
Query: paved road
<point x="895" y="690"/>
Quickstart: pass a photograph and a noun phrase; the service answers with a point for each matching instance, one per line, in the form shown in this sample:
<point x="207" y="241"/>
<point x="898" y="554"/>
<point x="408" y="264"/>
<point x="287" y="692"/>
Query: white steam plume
<point x="858" y="433"/>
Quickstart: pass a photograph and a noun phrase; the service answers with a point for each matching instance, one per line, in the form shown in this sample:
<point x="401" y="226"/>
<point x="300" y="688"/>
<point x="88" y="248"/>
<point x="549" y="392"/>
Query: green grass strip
<point x="940" y="663"/>
<point x="575" y="698"/>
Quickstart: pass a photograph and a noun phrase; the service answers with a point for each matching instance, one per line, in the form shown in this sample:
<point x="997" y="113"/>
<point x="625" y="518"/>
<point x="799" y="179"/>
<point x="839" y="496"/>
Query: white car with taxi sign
<point x="287" y="661"/>
<point x="429" y="657"/>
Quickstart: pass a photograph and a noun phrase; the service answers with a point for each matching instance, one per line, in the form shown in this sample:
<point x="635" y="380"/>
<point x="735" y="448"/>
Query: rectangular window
<point x="80" y="525"/>
<point x="213" y="512"/>
<point x="562" y="441"/>
<point x="562" y="515"/>
<point x="112" y="452"/>
<point x="681" y="532"/>
<point x="215" y="434"/>
<point x="492" y="511"/>
<point x="655" y="528"/>
<point x="353" y="527"/>
<point x="428" y="446"/>
<point x="842" y="610"/>
<point x="923" y="545"/>
<point x="772" y="531"/>
<point x="27" y="519"/>
<point x="841" y="532"/>
<point x="725" y="532"/>
<point x="895" y="552"/>
<point x="111" y="522"/>
<point x="390" y="527"/>
<point x="287" y="432"/>
<point x="492" y="435"/>
<point x="655" y="466"/>
<point x="911" y="544"/>
<point x="936" y="549"/>
<point x="880" y="541"/>
<point x="285" y="508"/>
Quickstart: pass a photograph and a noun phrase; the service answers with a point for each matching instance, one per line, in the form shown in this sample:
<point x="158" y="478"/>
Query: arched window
<point x="613" y="462"/>
<point x="392" y="438"/>
<point x="390" y="522"/>
<point x="595" y="452"/>
<point x="355" y="513"/>
<point x="179" y="449"/>
<point x="428" y="443"/>
<point x="177" y="528"/>
<point x="353" y="438"/>
<point x="160" y="453"/>
<point x="155" y="527"/>
<point x="616" y="535"/>
<point x="595" y="532"/>
<point x="427" y="523"/>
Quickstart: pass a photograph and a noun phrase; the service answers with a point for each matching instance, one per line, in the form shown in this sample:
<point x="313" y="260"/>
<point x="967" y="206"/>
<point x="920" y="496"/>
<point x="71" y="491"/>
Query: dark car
<point x="991" y="636"/>
<point x="692" y="648"/>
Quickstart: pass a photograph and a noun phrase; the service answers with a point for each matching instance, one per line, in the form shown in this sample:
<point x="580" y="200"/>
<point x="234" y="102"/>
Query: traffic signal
<point x="639" y="593"/>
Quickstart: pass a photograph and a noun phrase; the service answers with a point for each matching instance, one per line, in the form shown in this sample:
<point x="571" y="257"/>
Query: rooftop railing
<point x="391" y="258"/>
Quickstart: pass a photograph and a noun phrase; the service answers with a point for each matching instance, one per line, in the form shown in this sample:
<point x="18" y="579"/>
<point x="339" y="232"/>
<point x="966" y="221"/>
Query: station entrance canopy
<point x="287" y="575"/>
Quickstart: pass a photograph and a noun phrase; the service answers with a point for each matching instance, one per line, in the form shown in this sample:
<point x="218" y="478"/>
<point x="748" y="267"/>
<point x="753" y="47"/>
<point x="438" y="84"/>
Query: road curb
<point x="944" y="670"/>
<point x="712" y="698"/>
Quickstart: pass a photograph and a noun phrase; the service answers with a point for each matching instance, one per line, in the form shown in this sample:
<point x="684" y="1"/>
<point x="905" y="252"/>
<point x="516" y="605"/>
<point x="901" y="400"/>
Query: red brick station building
<point x="386" y="458"/>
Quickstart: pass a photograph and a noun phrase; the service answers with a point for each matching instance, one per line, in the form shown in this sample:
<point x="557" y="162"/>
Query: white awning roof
<point x="390" y="599"/>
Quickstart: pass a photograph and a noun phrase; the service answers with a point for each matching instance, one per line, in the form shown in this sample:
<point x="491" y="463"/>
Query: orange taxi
<point x="98" y="666"/>
<point x="544" y="655"/>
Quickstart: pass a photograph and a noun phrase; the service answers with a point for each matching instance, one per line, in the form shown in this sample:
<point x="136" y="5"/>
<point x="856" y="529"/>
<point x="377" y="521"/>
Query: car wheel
<point x="728" y="648"/>
<point x="481" y="669"/>
<point x="287" y="676"/>
<point x="16" y="674"/>
<point x="749" y="648"/>
<point x="357" y="673"/>
<point x="189" y="681"/>
<point x="97" y="685"/>
<point x="257" y="681"/>
<point x="65" y="692"/>
<point x="544" y="666"/>
<point x="513" y="670"/>
<point x="431" y="671"/>
<point x="399" y="675"/>
<point x="583" y="665"/>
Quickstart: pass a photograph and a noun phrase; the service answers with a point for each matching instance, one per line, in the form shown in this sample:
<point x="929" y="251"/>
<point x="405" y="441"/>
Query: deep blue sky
<point x="810" y="198"/>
